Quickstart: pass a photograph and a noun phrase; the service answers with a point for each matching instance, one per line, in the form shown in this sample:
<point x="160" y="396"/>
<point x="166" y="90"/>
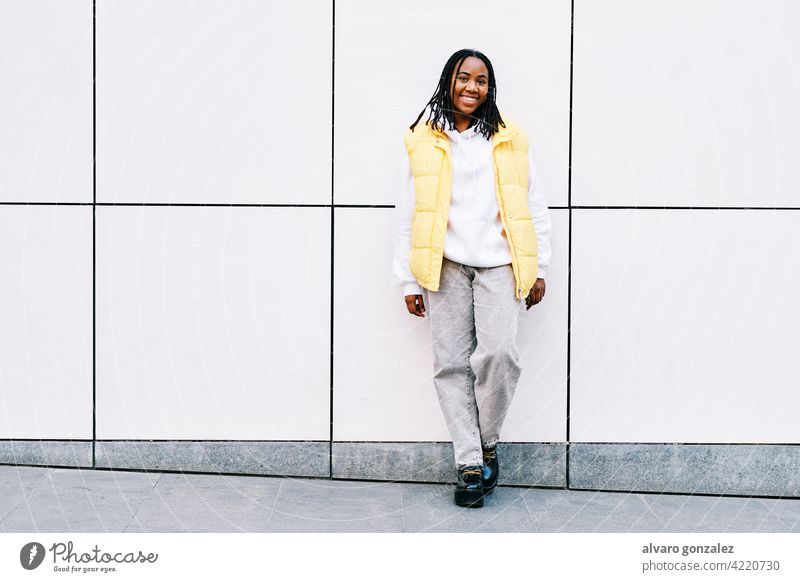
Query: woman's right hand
<point x="415" y="305"/>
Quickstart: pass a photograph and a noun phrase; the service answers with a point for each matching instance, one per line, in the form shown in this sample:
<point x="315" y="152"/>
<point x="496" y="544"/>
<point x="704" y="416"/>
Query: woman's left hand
<point x="536" y="294"/>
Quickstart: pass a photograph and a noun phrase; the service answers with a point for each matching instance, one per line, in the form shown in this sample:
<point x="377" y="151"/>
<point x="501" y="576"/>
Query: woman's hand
<point x="415" y="305"/>
<point x="536" y="294"/>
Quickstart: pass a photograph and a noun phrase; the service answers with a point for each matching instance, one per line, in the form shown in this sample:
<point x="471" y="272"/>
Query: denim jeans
<point x="474" y="319"/>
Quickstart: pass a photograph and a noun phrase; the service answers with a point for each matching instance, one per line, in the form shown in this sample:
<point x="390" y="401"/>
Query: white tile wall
<point x="46" y="322"/>
<point x="383" y="387"/>
<point x="538" y="412"/>
<point x="388" y="60"/>
<point x="382" y="360"/>
<point x="685" y="326"/>
<point x="686" y="103"/>
<point x="213" y="323"/>
<point x="214" y="101"/>
<point x="46" y="101"/>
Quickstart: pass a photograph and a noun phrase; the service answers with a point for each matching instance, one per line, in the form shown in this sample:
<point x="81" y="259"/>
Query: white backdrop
<point x="676" y="266"/>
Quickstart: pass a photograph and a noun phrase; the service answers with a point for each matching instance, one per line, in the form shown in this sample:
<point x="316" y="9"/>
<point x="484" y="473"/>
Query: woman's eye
<point x="479" y="82"/>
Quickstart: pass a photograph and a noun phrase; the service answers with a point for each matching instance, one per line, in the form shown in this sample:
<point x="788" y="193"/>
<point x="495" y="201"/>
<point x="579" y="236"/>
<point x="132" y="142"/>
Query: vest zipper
<point x="506" y="229"/>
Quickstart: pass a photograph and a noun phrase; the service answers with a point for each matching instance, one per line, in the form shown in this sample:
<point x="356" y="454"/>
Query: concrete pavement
<point x="40" y="499"/>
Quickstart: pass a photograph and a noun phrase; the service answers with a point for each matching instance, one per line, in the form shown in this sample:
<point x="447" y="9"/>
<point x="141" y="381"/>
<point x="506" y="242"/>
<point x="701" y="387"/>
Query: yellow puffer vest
<point x="432" y="168"/>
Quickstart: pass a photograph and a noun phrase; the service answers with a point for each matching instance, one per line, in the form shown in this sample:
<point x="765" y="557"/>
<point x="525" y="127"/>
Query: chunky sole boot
<point x="490" y="471"/>
<point x="469" y="490"/>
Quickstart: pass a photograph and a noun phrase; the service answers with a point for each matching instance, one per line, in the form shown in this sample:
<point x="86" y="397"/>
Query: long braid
<point x="440" y="105"/>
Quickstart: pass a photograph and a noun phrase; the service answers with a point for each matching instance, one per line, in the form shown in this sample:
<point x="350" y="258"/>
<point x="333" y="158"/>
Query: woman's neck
<point x="461" y="122"/>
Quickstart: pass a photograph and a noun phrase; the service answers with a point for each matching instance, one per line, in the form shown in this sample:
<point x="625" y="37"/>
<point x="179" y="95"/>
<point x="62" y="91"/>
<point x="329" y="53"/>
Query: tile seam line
<point x="367" y="206"/>
<point x="94" y="232"/>
<point x="402" y="442"/>
<point x="387" y="442"/>
<point x="511" y="486"/>
<point x="569" y="247"/>
<point x="333" y="241"/>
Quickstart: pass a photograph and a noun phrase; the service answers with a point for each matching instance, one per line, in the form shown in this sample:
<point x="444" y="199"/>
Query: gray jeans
<point x="474" y="318"/>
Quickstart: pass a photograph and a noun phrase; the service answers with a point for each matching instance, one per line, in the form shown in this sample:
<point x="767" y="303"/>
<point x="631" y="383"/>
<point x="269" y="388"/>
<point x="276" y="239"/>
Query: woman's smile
<point x="470" y="86"/>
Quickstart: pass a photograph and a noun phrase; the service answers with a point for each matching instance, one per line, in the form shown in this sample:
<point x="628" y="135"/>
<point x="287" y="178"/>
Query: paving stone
<point x="207" y="503"/>
<point x="787" y="511"/>
<point x="69" y="500"/>
<point x="16" y="484"/>
<point x="430" y="508"/>
<point x="704" y="513"/>
<point x="586" y="511"/>
<point x="323" y="505"/>
<point x="73" y="500"/>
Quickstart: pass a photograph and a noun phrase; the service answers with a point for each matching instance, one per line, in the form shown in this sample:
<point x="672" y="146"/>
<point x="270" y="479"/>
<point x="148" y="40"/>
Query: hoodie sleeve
<point x="541" y="217"/>
<point x="401" y="229"/>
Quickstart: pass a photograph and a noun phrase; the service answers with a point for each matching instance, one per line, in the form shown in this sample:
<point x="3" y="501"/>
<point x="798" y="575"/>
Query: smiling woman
<point x="465" y="95"/>
<point x="472" y="241"/>
<point x="470" y="85"/>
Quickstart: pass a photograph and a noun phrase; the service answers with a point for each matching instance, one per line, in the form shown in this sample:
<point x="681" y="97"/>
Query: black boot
<point x="469" y="491"/>
<point x="491" y="470"/>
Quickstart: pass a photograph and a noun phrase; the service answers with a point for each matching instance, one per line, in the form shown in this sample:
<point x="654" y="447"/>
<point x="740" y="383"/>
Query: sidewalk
<point x="73" y="500"/>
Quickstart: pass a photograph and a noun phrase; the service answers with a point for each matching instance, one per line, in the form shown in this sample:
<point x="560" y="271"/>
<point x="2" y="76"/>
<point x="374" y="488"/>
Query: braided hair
<point x="487" y="117"/>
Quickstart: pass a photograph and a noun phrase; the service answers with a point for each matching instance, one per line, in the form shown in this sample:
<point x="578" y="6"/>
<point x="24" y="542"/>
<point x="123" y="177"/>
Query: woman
<point x="471" y="242"/>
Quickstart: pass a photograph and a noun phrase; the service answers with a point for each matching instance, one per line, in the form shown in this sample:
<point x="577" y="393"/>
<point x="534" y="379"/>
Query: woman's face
<point x="470" y="85"/>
